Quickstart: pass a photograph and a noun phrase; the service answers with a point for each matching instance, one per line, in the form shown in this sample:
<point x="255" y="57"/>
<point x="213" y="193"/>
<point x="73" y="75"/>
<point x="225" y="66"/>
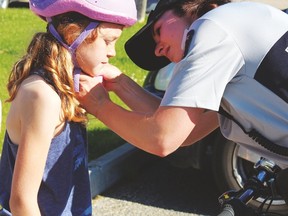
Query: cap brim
<point x="141" y="49"/>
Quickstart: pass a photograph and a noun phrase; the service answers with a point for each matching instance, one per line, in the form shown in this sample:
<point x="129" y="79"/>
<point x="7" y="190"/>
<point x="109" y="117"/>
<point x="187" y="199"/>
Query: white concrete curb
<point x="111" y="167"/>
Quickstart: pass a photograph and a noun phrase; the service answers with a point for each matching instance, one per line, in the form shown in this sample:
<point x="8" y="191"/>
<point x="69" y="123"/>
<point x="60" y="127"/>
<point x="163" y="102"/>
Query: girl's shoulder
<point x="36" y="103"/>
<point x="37" y="96"/>
<point x="36" y="88"/>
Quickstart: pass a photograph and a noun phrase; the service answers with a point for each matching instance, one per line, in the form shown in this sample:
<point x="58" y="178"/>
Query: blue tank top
<point x="65" y="188"/>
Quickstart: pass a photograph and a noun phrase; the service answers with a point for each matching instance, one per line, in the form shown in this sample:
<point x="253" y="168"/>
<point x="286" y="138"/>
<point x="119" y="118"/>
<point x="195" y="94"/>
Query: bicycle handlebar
<point x="234" y="203"/>
<point x="236" y="207"/>
<point x="227" y="210"/>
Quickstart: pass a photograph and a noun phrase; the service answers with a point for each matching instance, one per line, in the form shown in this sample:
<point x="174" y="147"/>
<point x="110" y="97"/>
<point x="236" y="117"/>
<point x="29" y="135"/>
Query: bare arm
<point x="130" y="92"/>
<point x="38" y="117"/>
<point x="208" y="122"/>
<point x="159" y="132"/>
<point x="134" y="96"/>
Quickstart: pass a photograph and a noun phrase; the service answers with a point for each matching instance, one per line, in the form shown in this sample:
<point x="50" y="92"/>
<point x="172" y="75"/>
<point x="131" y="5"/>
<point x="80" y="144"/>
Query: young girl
<point x="44" y="168"/>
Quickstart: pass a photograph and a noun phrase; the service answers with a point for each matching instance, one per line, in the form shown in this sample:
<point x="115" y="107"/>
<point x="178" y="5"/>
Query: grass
<point x="18" y="25"/>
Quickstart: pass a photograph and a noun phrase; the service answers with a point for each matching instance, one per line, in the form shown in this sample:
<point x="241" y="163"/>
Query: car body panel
<point x="8" y="3"/>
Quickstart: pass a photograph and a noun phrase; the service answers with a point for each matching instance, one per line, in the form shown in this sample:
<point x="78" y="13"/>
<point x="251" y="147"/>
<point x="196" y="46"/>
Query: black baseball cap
<point x="141" y="47"/>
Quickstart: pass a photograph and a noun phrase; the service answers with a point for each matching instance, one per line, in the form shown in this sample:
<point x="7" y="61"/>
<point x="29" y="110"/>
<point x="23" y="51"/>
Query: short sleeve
<point x="199" y="80"/>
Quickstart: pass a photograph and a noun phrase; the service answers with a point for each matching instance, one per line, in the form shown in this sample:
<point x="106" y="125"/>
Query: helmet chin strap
<point x="72" y="48"/>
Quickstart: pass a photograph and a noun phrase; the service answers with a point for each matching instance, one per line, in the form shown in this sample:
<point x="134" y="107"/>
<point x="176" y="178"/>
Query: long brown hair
<point x="45" y="52"/>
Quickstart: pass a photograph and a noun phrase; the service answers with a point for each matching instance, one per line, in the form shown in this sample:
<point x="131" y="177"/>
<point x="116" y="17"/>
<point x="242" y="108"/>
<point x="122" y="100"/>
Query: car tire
<point x="231" y="171"/>
<point x="4" y="4"/>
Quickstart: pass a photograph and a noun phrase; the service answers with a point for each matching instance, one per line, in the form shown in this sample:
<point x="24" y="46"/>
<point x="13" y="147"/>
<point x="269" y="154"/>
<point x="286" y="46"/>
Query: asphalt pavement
<point x="160" y="189"/>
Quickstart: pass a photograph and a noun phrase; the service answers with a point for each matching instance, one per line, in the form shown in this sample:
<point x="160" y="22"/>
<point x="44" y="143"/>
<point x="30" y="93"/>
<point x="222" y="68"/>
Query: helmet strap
<point x="72" y="48"/>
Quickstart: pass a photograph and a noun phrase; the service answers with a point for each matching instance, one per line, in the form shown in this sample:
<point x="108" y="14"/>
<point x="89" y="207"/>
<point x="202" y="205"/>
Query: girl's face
<point x="91" y="55"/>
<point x="168" y="32"/>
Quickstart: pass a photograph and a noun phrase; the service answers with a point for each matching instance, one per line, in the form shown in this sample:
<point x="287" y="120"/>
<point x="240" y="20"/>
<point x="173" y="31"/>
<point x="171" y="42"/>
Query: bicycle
<point x="235" y="203"/>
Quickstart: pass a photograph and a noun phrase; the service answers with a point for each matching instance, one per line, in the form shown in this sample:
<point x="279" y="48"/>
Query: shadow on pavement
<point x="167" y="187"/>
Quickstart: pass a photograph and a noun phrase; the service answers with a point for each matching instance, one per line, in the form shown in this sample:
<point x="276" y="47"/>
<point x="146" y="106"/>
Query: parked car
<point x="151" y="4"/>
<point x="231" y="164"/>
<point x="7" y="3"/>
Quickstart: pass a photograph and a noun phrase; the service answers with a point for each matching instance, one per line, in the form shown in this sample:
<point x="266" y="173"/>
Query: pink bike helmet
<point x="115" y="11"/>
